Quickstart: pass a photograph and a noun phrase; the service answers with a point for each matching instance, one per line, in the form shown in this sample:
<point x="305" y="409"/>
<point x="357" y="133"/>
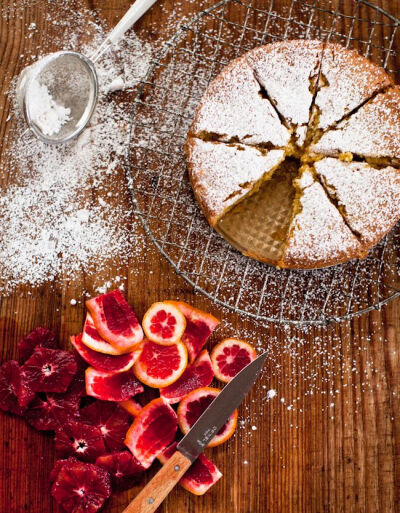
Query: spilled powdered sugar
<point x="52" y="223"/>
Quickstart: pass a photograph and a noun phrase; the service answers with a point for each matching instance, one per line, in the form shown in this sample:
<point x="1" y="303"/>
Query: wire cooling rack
<point x="161" y="115"/>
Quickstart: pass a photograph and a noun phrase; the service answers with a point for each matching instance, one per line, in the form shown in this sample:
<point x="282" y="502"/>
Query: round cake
<point x="294" y="154"/>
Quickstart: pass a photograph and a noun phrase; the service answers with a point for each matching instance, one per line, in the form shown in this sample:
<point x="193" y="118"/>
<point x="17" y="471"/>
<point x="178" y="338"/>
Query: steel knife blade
<point x="215" y="416"/>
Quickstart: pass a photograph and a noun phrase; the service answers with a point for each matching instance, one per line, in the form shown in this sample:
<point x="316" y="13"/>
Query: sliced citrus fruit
<point x="131" y="406"/>
<point x="92" y="339"/>
<point x="40" y="337"/>
<point x="105" y="362"/>
<point x="158" y="366"/>
<point x="197" y="375"/>
<point x="164" y="323"/>
<point x="199" y="326"/>
<point x="112" y="420"/>
<point x="115" y="320"/>
<point x="58" y="465"/>
<point x="200" y="477"/>
<point x="50" y="370"/>
<point x="123" y="468"/>
<point x="111" y="386"/>
<point x="79" y="439"/>
<point x="152" y="431"/>
<point x="15" y="393"/>
<point x="230" y="356"/>
<point x="194" y="404"/>
<point x="81" y="487"/>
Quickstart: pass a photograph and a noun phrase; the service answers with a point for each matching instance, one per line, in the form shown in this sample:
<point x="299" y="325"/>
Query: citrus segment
<point x="92" y="339"/>
<point x="81" y="487"/>
<point x="230" y="356"/>
<point x="123" y="468"/>
<point x="152" y="431"/>
<point x="158" y="366"/>
<point x="115" y="320"/>
<point x="164" y="323"/>
<point x="194" y="404"/>
<point x="105" y="362"/>
<point x="131" y="406"/>
<point x="197" y="375"/>
<point x="50" y="370"/>
<point x="111" y="386"/>
<point x="112" y="420"/>
<point x="15" y="393"/>
<point x="199" y="326"/>
<point x="200" y="477"/>
<point x="39" y="337"/>
<point x="79" y="439"/>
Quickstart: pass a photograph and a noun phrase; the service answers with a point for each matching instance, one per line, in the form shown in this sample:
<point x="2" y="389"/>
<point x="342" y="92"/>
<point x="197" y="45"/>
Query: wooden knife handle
<point x="152" y="495"/>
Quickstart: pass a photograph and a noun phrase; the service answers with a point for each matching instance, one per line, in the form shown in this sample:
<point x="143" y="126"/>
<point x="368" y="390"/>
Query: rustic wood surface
<point x="337" y="451"/>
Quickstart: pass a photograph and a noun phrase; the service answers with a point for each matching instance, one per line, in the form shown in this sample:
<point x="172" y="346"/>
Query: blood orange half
<point x="111" y="386"/>
<point x="158" y="366"/>
<point x="230" y="356"/>
<point x="197" y="375"/>
<point x="105" y="362"/>
<point x="200" y="477"/>
<point x="194" y="404"/>
<point x="199" y="326"/>
<point x="164" y="323"/>
<point x="115" y="320"/>
<point x="92" y="339"/>
<point x="152" y="431"/>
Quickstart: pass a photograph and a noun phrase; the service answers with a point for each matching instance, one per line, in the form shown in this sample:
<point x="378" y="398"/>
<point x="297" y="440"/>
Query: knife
<point x="196" y="440"/>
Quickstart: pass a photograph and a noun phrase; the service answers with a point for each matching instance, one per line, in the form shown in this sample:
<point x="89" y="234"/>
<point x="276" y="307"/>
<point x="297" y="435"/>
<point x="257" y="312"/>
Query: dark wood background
<point x="337" y="451"/>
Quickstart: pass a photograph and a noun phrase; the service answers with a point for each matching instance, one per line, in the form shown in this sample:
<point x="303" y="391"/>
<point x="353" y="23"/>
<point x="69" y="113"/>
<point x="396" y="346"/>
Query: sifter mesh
<point x="161" y="115"/>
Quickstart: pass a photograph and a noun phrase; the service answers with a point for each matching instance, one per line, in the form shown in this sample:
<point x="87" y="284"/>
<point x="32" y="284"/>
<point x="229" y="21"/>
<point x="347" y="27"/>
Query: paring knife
<point x="194" y="443"/>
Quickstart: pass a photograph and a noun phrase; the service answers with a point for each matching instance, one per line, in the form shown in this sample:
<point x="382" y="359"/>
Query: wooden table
<point x="335" y="450"/>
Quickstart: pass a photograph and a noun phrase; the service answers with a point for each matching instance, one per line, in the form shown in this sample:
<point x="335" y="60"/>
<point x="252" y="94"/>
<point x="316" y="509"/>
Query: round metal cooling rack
<point x="161" y="115"/>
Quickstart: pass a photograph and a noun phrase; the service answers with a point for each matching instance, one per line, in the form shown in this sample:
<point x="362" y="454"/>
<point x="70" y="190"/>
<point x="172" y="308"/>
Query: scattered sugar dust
<point x="66" y="208"/>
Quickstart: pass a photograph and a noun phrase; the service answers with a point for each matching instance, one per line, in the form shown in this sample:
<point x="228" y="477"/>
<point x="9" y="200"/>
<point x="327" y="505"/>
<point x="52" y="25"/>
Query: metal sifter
<point x="70" y="80"/>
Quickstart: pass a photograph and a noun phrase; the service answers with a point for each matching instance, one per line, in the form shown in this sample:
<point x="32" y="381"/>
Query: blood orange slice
<point x="79" y="439"/>
<point x="197" y="375"/>
<point x="123" y="468"/>
<point x="115" y="320"/>
<point x="39" y="337"/>
<point x="194" y="404"/>
<point x="199" y="326"/>
<point x="131" y="406"/>
<point x="158" y="366"/>
<point x="92" y="339"/>
<point x="15" y="393"/>
<point x="164" y="323"/>
<point x="152" y="431"/>
<point x="50" y="370"/>
<point x="81" y="487"/>
<point x="200" y="477"/>
<point x="112" y="420"/>
<point x="105" y="362"/>
<point x="230" y="356"/>
<point x="111" y="386"/>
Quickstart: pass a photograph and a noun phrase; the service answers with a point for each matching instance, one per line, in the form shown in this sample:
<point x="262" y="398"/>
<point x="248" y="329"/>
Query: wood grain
<point x="337" y="450"/>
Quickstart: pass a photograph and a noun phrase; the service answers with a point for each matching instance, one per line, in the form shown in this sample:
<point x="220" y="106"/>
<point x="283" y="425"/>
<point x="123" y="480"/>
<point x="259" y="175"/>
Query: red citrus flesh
<point x="131" y="406"/>
<point x="197" y="375"/>
<point x="39" y="337"/>
<point x="194" y="404"/>
<point x="199" y="326"/>
<point x="152" y="431"/>
<point x="158" y="366"/>
<point x="200" y="477"/>
<point x="50" y="370"/>
<point x="110" y="386"/>
<point x="164" y="323"/>
<point x="230" y="356"/>
<point x="115" y="320"/>
<point x="112" y="420"/>
<point x="123" y="468"/>
<point x="81" y="487"/>
<point x="15" y="394"/>
<point x="79" y="439"/>
<point x="102" y="361"/>
<point x="91" y="338"/>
